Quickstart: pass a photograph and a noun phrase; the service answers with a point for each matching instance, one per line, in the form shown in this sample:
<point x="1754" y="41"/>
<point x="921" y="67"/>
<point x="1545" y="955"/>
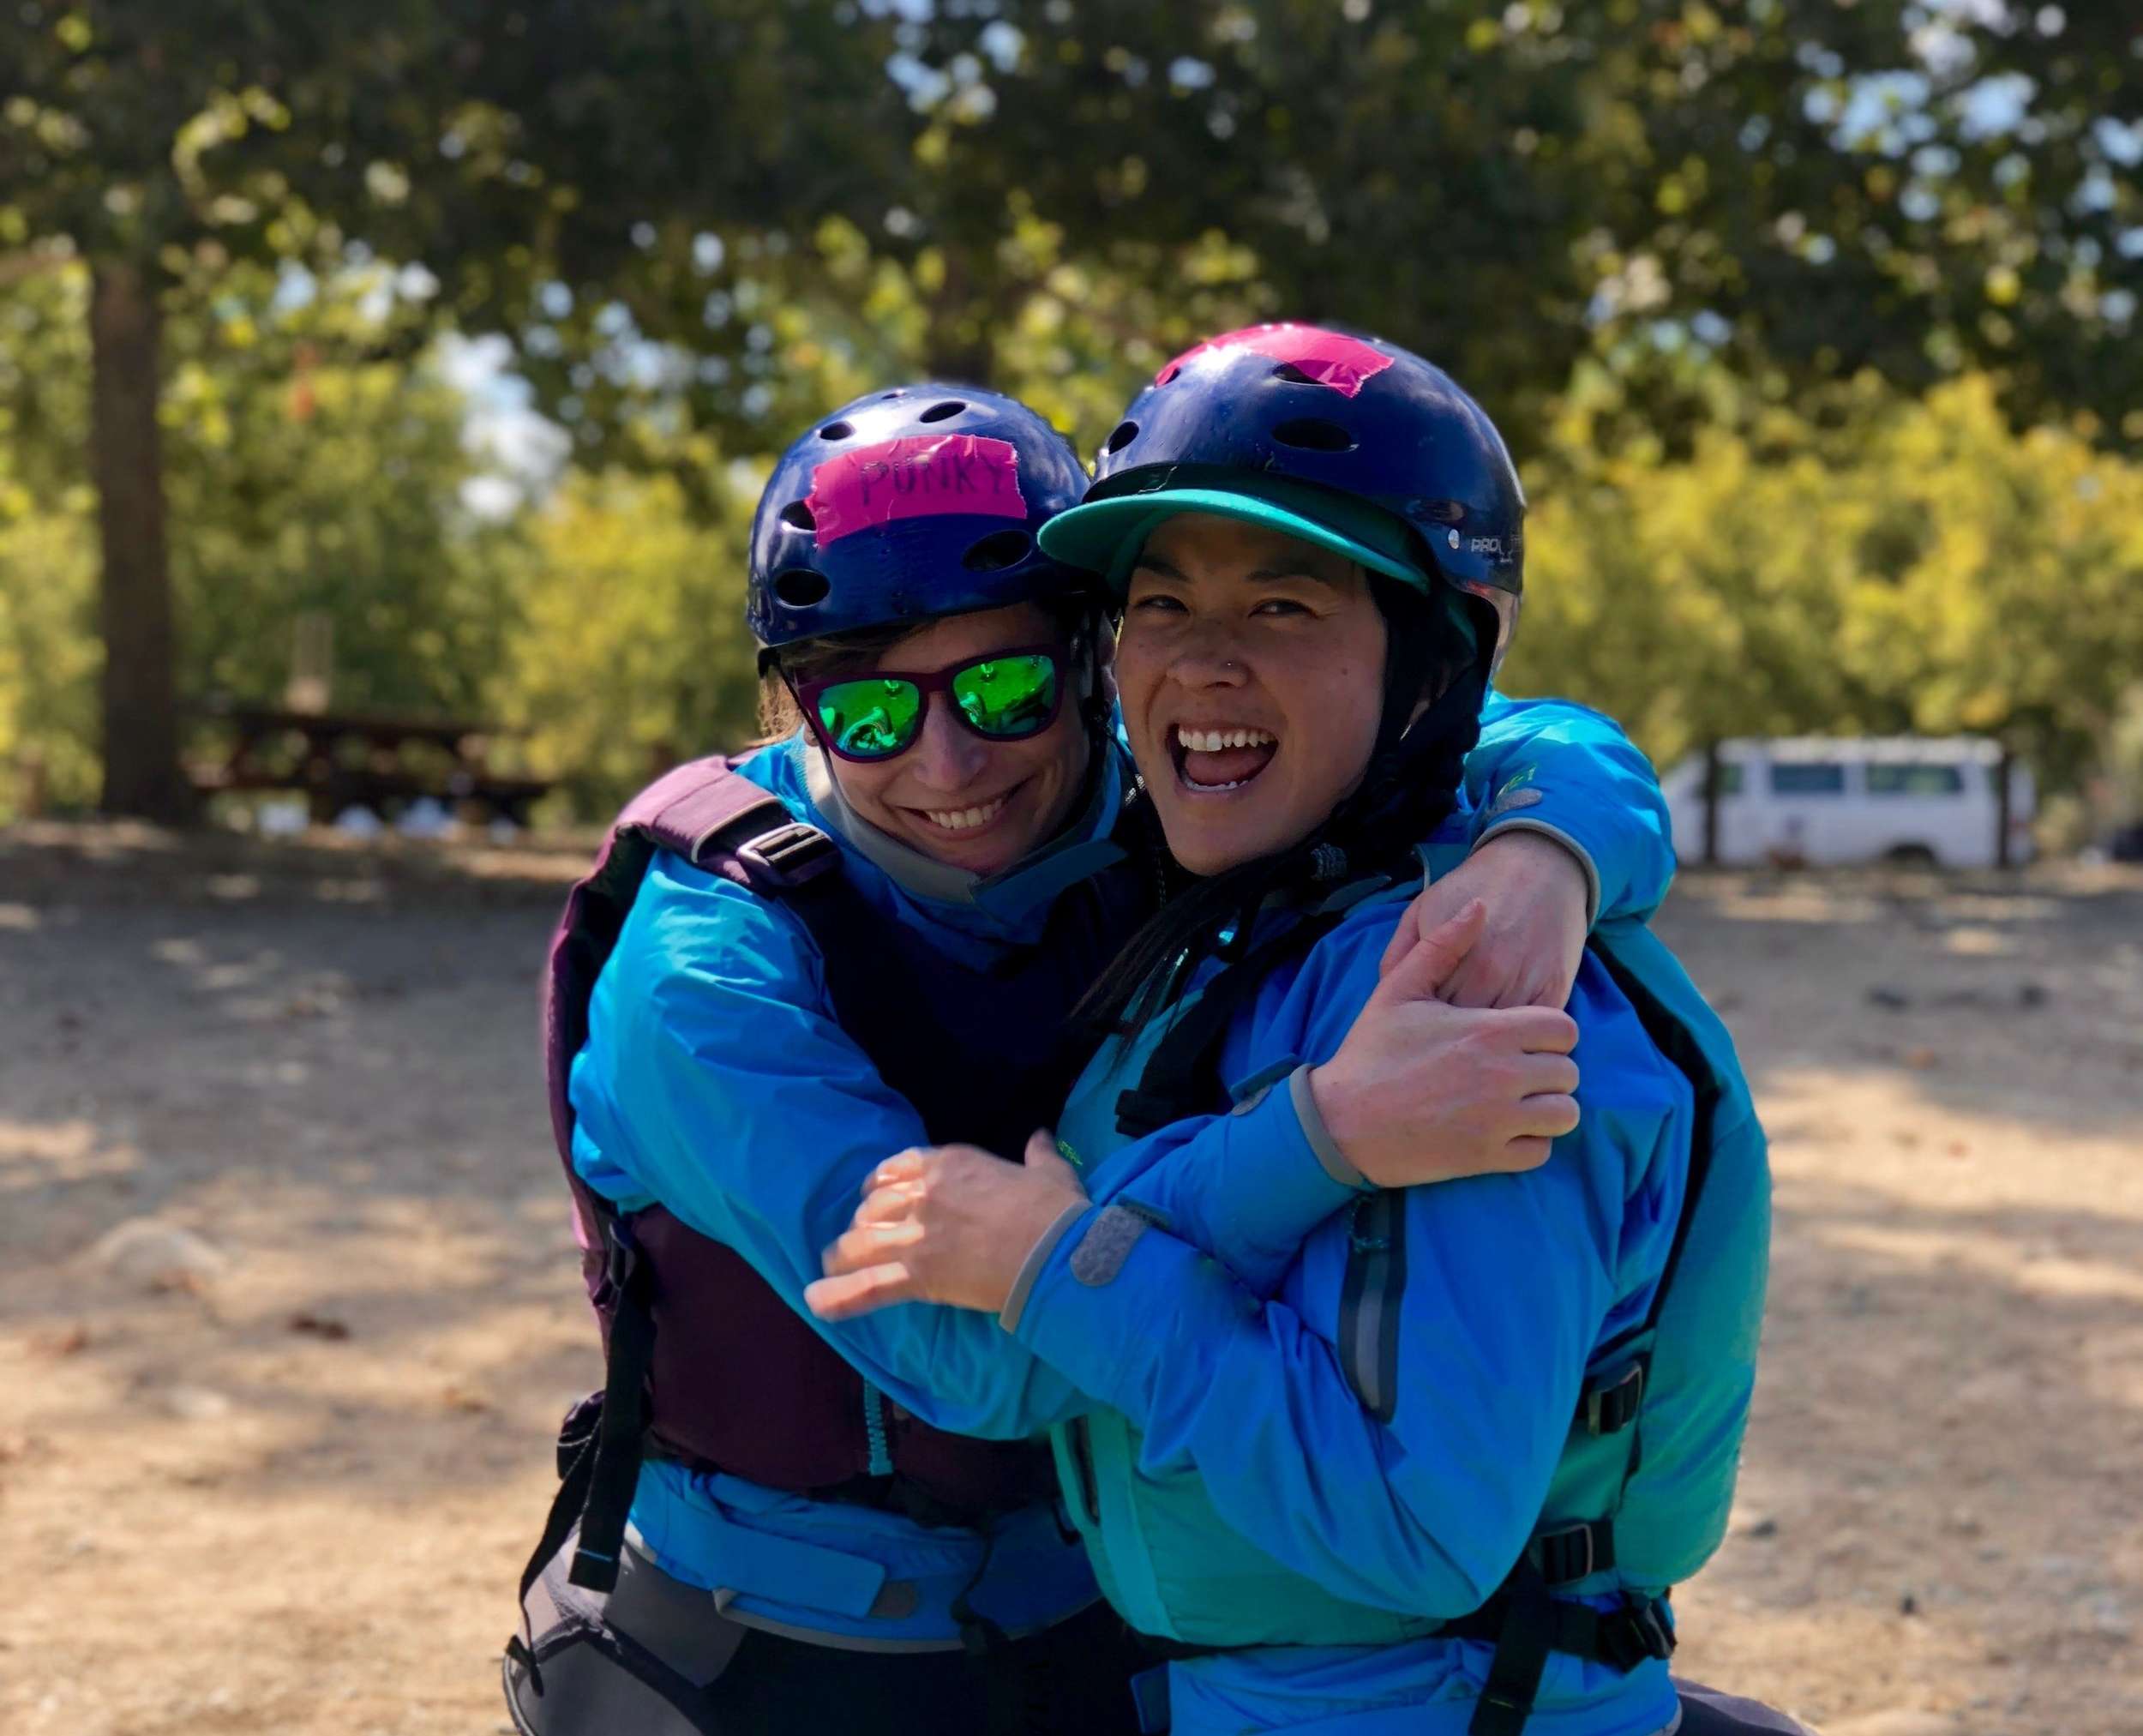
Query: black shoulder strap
<point x="620" y="1434"/>
<point x="601" y="1447"/>
<point x="1612" y="1402"/>
<point x="1526" y="1621"/>
<point x="1181" y="1077"/>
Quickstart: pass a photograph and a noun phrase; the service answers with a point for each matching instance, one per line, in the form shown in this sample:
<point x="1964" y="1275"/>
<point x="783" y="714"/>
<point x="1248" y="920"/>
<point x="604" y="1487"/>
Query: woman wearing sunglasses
<point x="870" y="934"/>
<point x="1385" y="1480"/>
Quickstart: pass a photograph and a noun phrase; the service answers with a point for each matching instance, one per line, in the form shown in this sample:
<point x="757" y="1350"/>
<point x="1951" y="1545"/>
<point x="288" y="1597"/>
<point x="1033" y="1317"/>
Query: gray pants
<point x="1707" y="1712"/>
<point x="653" y="1658"/>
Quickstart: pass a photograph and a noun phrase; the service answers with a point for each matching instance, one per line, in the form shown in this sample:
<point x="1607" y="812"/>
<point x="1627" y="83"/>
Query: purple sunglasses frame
<point x="1059" y="652"/>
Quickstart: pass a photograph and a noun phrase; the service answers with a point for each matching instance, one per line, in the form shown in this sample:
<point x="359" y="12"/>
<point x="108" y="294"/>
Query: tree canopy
<point x="1716" y="269"/>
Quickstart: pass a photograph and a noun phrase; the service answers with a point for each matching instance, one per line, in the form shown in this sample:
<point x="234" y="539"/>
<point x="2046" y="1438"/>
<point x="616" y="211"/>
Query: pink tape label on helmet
<point x="914" y="477"/>
<point x="1328" y="358"/>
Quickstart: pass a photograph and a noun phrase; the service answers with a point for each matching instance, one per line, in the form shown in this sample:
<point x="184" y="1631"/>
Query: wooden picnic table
<point x="374" y="760"/>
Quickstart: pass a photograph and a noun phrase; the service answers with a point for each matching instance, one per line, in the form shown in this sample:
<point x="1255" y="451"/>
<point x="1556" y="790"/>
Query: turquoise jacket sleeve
<point x="716" y="1082"/>
<point x="1550" y="766"/>
<point x="1511" y="1282"/>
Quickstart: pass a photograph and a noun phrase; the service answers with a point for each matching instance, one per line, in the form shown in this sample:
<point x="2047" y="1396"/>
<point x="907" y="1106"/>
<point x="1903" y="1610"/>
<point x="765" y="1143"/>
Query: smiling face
<point x="960" y="800"/>
<point x="1250" y="667"/>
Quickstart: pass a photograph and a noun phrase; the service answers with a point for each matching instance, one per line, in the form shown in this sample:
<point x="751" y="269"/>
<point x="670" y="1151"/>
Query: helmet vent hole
<point x="1119" y="437"/>
<point x="836" y="430"/>
<point x="1439" y="511"/>
<point x="1314" y="434"/>
<point x="800" y="588"/>
<point x="897" y="392"/>
<point x="1292" y="375"/>
<point x="941" y="412"/>
<point x="995" y="553"/>
<point x="799" y="516"/>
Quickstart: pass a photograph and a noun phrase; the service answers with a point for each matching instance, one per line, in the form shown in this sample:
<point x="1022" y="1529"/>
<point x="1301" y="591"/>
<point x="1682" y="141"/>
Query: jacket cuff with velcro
<point x="1252" y="1183"/>
<point x="1122" y="1303"/>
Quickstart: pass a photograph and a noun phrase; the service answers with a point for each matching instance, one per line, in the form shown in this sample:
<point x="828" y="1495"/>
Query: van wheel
<point x="1919" y="855"/>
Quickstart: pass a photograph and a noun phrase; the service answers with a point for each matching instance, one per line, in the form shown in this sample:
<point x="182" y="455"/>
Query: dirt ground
<point x="282" y="1481"/>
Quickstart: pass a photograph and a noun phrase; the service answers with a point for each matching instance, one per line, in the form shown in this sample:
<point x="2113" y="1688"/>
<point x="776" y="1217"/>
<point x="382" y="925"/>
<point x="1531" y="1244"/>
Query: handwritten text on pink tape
<point x="914" y="477"/>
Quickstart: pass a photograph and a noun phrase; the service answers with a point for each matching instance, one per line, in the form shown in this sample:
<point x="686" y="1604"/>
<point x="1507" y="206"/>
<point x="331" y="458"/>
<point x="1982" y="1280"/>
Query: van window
<point x="1916" y="780"/>
<point x="1809" y="777"/>
<point x="1729" y="781"/>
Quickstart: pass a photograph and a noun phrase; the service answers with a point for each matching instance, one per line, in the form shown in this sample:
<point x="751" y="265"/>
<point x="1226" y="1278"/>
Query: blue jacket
<point x="714" y="1064"/>
<point x="1239" y="1491"/>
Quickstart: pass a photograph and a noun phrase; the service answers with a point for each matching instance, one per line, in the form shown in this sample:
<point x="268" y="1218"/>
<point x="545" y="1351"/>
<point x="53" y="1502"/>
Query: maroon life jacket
<point x="735" y="1380"/>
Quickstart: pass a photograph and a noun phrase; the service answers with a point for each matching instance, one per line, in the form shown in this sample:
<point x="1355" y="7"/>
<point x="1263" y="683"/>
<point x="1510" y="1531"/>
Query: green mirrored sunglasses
<point x="1002" y="696"/>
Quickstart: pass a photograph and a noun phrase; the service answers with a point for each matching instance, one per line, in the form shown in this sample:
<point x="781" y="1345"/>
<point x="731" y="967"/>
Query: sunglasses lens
<point x="1008" y="696"/>
<point x="872" y="718"/>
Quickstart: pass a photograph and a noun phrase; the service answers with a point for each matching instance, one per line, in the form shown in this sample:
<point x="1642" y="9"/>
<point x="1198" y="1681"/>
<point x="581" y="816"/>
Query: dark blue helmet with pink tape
<point x="1353" y="414"/>
<point x="909" y="504"/>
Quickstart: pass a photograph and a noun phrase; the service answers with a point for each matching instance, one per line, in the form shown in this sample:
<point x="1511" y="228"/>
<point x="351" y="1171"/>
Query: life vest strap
<point x="789" y="855"/>
<point x="1573" y="1553"/>
<point x="614" y="1474"/>
<point x="1527" y="1623"/>
<point x="1181" y="1078"/>
<point x="576" y="1464"/>
<point x="1610" y="1405"/>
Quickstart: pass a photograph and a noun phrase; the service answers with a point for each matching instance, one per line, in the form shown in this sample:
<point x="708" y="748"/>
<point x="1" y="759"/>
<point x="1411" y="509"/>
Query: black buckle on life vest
<point x="789" y="854"/>
<point x="621" y="1257"/>
<point x="1631" y="1635"/>
<point x="1576" y="1552"/>
<point x="1613" y="1407"/>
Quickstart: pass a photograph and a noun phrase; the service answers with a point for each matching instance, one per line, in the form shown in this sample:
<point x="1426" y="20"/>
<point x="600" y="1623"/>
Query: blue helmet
<point x="909" y="504"/>
<point x="1355" y="415"/>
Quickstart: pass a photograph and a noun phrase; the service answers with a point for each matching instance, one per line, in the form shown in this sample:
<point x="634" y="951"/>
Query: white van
<point x="1824" y="800"/>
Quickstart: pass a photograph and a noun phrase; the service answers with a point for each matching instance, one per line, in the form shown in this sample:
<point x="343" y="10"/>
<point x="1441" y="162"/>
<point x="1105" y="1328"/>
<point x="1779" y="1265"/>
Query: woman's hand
<point x="944" y="1223"/>
<point x="1534" y="933"/>
<point x="1424" y="1091"/>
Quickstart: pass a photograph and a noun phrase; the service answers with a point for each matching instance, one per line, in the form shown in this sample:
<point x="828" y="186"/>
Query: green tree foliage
<point x="49" y="652"/>
<point x="151" y="142"/>
<point x="630" y="654"/>
<point x="160" y="143"/>
<point x="314" y="479"/>
<point x="1661" y="238"/>
<point x="1804" y="189"/>
<point x="1901" y="564"/>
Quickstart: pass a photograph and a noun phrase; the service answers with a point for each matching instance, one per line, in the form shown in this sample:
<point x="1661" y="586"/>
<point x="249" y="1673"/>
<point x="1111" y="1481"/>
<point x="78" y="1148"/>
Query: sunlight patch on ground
<point x="35" y="1154"/>
<point x="2019" y="1266"/>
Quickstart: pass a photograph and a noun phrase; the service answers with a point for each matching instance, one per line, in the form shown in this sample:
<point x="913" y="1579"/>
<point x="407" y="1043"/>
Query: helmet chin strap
<point x="1419" y="762"/>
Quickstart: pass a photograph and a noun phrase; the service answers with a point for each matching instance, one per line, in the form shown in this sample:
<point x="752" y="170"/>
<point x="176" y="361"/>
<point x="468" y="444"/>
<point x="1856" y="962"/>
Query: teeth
<point x="964" y="819"/>
<point x="1213" y="741"/>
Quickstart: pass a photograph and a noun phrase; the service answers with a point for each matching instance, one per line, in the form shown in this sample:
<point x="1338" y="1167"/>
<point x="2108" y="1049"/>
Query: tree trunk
<point x="958" y="343"/>
<point x="141" y="712"/>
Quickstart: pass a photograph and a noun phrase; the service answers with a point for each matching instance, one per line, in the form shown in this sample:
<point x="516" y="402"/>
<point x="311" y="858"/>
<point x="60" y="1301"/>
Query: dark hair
<point x="1411" y="784"/>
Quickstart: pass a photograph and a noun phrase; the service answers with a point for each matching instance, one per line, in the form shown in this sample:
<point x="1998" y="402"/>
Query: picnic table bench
<point x="344" y="760"/>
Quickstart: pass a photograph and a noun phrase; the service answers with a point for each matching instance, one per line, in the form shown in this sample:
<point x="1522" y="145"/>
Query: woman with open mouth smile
<point x="1383" y="1478"/>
